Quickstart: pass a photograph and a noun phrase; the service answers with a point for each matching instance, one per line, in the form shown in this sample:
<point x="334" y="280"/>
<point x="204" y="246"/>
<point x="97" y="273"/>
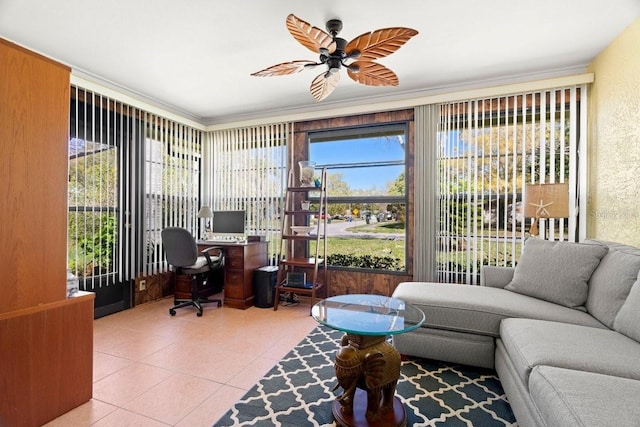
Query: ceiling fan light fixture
<point x="334" y="51"/>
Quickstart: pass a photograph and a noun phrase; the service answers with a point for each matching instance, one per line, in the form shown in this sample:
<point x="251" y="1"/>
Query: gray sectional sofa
<point x="562" y="330"/>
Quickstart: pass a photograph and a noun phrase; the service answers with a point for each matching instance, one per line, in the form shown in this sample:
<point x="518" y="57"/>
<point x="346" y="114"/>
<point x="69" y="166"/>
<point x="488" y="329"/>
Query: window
<point x="131" y="173"/>
<point x="366" y="212"/>
<point x="92" y="217"/>
<point x="248" y="172"/>
<point x="489" y="149"/>
<point x="171" y="184"/>
<point x="93" y="189"/>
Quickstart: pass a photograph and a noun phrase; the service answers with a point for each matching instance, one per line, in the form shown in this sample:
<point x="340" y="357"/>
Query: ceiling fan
<point x="335" y="51"/>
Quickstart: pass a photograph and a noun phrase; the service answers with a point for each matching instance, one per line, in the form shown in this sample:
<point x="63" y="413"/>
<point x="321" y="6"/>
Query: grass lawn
<point x="365" y="246"/>
<point x="362" y="246"/>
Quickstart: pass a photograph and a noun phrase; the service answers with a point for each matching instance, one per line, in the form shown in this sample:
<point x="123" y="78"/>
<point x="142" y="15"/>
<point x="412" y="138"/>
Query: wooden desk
<point x="241" y="259"/>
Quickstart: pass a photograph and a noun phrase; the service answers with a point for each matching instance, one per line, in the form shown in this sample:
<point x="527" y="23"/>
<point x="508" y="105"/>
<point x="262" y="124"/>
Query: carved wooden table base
<point x="369" y="362"/>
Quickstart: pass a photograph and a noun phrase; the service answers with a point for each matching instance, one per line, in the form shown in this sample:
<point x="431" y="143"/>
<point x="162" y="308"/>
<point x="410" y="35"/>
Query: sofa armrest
<point x="496" y="277"/>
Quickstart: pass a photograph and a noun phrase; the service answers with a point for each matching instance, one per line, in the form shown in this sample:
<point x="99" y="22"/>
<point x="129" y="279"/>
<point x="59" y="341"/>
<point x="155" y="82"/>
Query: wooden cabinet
<point x="241" y="259"/>
<point x="34" y="132"/>
<point x="46" y="339"/>
<point x="46" y="360"/>
<point x="182" y="288"/>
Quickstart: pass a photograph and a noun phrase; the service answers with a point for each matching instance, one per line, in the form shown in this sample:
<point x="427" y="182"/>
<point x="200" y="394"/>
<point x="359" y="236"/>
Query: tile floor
<point x="151" y="369"/>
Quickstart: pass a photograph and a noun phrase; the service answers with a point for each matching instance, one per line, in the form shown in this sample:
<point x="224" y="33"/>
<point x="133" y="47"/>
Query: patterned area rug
<point x="298" y="391"/>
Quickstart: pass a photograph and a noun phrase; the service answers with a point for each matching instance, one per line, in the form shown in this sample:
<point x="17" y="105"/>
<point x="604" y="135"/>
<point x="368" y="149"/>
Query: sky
<point x="362" y="150"/>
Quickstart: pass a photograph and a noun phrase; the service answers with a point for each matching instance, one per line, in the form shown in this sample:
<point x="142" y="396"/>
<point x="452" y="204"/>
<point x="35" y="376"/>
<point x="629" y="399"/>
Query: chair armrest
<point x="496" y="277"/>
<point x="214" y="263"/>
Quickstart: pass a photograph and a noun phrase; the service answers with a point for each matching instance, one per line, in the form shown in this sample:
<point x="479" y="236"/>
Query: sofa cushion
<point x="567" y="397"/>
<point x="532" y="343"/>
<point x="628" y="319"/>
<point x="556" y="271"/>
<point x="479" y="309"/>
<point x="455" y="347"/>
<point x="496" y="276"/>
<point x="611" y="282"/>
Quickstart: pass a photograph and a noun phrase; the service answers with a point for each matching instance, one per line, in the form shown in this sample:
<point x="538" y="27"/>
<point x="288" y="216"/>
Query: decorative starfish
<point x="541" y="210"/>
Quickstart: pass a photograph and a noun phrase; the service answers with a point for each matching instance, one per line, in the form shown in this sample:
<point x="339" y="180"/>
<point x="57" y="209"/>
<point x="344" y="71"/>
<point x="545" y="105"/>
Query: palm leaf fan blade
<point x="380" y="43"/>
<point x="283" y="69"/>
<point x="373" y="74"/>
<point x="313" y="38"/>
<point x="323" y="85"/>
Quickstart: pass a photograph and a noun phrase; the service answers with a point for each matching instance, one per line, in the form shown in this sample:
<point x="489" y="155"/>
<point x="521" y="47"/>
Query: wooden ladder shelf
<point x="302" y="269"/>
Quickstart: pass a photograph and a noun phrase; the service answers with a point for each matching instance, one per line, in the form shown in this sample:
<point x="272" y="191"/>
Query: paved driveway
<point x="340" y="228"/>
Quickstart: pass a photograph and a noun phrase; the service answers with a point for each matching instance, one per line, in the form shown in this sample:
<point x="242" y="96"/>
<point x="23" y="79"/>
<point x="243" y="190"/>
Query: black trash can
<point x="264" y="282"/>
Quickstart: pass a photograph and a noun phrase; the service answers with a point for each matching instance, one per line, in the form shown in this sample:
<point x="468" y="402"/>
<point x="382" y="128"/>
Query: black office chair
<point x="182" y="254"/>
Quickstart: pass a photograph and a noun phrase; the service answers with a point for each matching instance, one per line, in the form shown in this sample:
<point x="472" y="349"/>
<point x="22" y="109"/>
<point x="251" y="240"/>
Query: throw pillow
<point x="557" y="272"/>
<point x="610" y="284"/>
<point x="628" y="319"/>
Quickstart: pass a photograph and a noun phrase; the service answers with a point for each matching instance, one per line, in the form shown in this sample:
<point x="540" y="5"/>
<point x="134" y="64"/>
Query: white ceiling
<point x="195" y="57"/>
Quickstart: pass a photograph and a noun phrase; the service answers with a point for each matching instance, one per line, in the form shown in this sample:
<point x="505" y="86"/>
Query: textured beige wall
<point x="613" y="204"/>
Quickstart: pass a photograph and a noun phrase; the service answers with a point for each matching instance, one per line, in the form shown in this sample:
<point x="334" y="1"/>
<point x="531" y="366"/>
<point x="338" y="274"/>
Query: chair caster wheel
<point x="172" y="312"/>
<point x="199" y="314"/>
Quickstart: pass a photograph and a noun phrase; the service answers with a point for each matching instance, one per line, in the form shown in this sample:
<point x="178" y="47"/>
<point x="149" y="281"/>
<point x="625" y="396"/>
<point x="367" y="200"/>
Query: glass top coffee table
<point x="367" y="365"/>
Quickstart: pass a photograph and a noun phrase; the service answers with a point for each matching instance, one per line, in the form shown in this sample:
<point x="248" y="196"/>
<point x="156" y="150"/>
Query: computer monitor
<point x="228" y="223"/>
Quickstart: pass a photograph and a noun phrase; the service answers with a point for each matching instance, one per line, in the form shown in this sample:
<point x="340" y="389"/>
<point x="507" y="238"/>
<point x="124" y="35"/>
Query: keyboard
<point x="225" y="239"/>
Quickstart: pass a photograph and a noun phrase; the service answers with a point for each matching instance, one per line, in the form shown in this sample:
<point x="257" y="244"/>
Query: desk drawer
<point x="234" y="284"/>
<point x="233" y="276"/>
<point x="234" y="263"/>
<point x="234" y="251"/>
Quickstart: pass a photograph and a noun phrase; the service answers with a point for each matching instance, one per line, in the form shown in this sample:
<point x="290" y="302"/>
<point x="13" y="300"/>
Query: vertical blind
<point x="425" y="188"/>
<point x="248" y="168"/>
<point x="172" y="166"/>
<point x="488" y="150"/>
<point x="100" y="130"/>
<point x="131" y="173"/>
